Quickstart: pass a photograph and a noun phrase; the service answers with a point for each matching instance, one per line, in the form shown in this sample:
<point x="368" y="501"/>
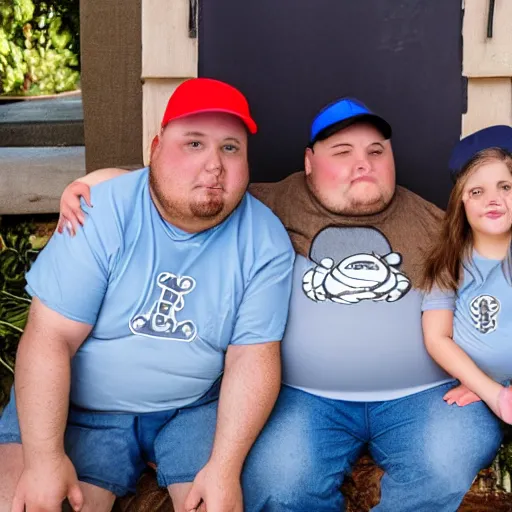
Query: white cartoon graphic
<point x="160" y="321"/>
<point x="356" y="278"/>
<point x="484" y="311"/>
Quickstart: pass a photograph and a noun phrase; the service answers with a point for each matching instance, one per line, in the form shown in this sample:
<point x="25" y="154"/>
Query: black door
<point x="290" y="57"/>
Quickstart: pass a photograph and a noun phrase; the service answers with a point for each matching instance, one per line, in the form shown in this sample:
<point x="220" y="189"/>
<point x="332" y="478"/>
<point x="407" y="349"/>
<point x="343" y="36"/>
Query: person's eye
<point x="506" y="187"/>
<point x="475" y="192"/>
<point x="230" y="148"/>
<point x="376" y="152"/>
<point x="194" y="144"/>
<point x="341" y="153"/>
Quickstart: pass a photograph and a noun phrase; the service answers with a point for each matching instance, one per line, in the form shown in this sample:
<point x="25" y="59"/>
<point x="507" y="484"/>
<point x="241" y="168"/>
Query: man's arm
<point x="249" y="389"/>
<point x="250" y="385"/>
<point x="43" y="378"/>
<point x="42" y="382"/>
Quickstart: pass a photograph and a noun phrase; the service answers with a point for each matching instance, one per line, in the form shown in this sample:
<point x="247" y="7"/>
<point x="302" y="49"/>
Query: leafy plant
<point x="18" y="249"/>
<point x="39" y="46"/>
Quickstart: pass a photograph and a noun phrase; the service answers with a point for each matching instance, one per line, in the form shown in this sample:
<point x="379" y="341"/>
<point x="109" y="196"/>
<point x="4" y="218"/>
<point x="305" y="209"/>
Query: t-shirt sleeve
<point x="70" y="275"/>
<point x="439" y="299"/>
<point x="263" y="312"/>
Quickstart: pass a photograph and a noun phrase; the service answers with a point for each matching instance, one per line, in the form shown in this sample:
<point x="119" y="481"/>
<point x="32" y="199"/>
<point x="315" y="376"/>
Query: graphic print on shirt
<point x="354" y="264"/>
<point x="160" y="321"/>
<point x="484" y="311"/>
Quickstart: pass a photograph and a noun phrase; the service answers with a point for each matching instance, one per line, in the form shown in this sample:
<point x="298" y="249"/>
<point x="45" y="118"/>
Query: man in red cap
<point x="158" y="323"/>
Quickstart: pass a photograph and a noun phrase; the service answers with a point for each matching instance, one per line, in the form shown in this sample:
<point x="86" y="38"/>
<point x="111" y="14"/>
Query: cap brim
<point x="383" y="126"/>
<point x="248" y="121"/>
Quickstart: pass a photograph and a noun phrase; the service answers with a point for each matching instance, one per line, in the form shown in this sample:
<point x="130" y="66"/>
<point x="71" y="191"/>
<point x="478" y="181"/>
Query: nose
<point x="493" y="198"/>
<point x="214" y="163"/>
<point x="362" y="165"/>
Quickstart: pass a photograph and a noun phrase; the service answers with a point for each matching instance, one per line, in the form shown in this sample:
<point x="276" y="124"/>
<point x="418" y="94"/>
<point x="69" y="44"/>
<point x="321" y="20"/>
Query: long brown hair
<point x="444" y="262"/>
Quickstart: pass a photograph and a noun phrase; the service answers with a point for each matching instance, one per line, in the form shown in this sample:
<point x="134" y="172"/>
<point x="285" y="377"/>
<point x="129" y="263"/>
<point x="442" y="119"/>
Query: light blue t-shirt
<point x="165" y="304"/>
<point x="482" y="320"/>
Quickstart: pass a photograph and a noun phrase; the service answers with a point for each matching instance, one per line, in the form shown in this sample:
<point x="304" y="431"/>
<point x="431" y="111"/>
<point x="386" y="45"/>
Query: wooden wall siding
<point x="487" y="57"/>
<point x="487" y="63"/>
<point x="489" y="102"/>
<point x="167" y="51"/>
<point x="169" y="56"/>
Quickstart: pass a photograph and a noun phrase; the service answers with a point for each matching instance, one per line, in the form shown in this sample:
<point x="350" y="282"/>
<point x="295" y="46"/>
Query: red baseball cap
<point x="207" y="95"/>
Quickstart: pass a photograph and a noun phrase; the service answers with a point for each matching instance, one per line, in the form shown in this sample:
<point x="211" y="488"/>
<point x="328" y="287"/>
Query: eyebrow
<point x="200" y="134"/>
<point x="339" y="144"/>
<point x="233" y="139"/>
<point x="194" y="134"/>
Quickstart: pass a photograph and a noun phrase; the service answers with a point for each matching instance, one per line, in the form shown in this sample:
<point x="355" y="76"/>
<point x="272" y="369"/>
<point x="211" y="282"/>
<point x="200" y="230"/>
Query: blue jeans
<point x="111" y="450"/>
<point x="430" y="452"/>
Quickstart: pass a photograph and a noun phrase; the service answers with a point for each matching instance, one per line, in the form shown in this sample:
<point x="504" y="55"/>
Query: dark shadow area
<point x="403" y="58"/>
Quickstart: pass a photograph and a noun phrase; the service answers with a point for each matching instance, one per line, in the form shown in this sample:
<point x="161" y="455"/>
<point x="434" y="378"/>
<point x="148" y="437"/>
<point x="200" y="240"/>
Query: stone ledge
<point x="32" y="178"/>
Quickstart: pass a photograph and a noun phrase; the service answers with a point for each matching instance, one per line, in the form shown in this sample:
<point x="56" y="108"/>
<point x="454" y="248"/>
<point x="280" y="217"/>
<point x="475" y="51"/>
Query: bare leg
<point x="11" y="467"/>
<point x="179" y="493"/>
<point x="96" y="499"/>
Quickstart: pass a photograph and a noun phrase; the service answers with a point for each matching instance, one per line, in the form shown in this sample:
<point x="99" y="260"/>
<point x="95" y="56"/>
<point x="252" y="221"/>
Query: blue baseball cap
<point x="345" y="112"/>
<point x="498" y="136"/>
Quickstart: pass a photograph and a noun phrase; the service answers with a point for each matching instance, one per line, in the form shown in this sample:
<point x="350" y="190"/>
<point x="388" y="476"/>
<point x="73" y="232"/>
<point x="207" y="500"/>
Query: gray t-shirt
<point x="354" y="328"/>
<point x="482" y="319"/>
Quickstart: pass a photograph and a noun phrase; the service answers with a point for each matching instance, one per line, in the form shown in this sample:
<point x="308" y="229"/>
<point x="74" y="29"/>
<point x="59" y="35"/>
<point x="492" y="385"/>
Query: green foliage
<point x="16" y="256"/>
<point x="39" y="46"/>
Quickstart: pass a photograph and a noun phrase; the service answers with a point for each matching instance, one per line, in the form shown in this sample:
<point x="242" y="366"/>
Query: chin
<point x="493" y="229"/>
<point x="372" y="197"/>
<point x="207" y="209"/>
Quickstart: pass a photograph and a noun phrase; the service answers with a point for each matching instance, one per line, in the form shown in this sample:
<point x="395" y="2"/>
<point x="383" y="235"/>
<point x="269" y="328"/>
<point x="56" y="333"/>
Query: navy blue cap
<point x="499" y="136"/>
<point x="346" y="111"/>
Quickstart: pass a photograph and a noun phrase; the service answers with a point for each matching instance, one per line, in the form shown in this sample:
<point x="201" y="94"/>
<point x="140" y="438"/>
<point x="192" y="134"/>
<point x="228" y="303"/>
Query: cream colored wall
<point x="169" y="56"/>
<point x="487" y="63"/>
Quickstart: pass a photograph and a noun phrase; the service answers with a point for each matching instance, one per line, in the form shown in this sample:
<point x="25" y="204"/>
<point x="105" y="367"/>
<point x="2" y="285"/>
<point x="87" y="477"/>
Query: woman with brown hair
<point x="467" y="310"/>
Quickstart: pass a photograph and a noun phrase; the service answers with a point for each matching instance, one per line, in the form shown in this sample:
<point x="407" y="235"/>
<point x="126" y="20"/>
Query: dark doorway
<point x="290" y="57"/>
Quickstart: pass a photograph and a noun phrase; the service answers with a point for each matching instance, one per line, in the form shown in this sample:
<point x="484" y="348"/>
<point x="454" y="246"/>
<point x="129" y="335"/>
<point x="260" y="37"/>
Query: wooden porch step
<point x="42" y="122"/>
<point x="32" y="178"/>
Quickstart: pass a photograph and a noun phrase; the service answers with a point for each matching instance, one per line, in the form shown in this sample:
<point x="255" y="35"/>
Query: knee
<point x="451" y="472"/>
<point x="275" y="482"/>
<point x="467" y="442"/>
<point x="267" y="492"/>
<point x="451" y="482"/>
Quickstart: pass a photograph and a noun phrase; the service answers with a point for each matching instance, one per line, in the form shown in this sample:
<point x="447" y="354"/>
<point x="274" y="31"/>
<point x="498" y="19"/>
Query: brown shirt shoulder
<point x="276" y="195"/>
<point x="427" y="214"/>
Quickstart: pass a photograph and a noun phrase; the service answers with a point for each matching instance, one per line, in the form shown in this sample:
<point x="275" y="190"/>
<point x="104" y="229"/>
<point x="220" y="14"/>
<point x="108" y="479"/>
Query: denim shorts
<point x="112" y="450"/>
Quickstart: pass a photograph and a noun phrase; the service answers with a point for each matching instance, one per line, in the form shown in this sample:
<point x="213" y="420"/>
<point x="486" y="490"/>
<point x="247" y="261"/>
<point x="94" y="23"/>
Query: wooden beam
<point x="112" y="94"/>
<point x="155" y="94"/>
<point x="167" y="49"/>
<point x="32" y="179"/>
